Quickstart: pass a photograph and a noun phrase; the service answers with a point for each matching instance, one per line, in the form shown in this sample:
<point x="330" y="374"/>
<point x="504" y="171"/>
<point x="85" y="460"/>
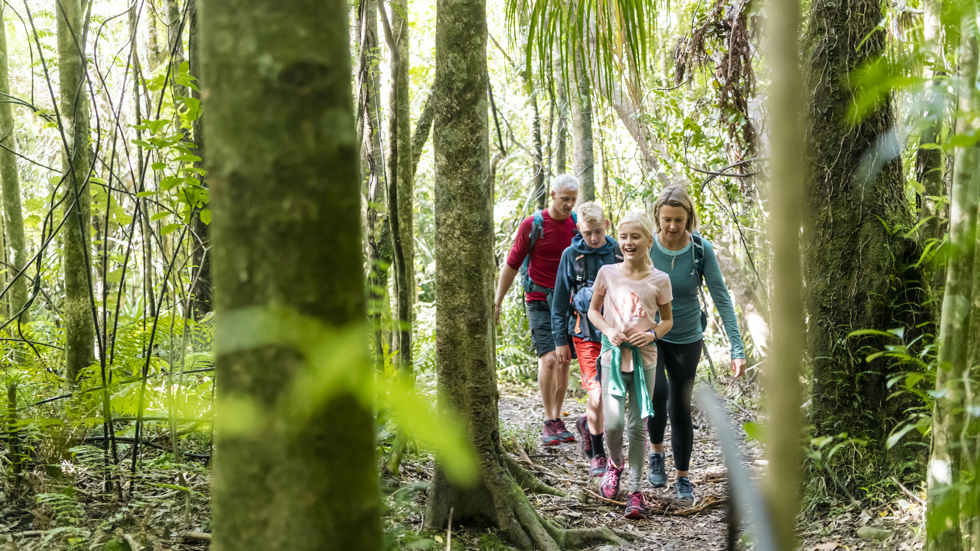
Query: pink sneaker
<point x="634" y="507"/>
<point x="563" y="433"/>
<point x="597" y="466"/>
<point x="609" y="485"/>
<point x="549" y="434"/>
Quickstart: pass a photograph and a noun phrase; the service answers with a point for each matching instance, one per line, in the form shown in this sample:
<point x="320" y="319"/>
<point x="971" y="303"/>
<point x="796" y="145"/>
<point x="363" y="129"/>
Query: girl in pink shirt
<point x="625" y="299"/>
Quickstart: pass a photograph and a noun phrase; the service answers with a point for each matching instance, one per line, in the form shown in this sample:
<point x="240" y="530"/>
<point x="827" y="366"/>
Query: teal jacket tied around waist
<point x="617" y="387"/>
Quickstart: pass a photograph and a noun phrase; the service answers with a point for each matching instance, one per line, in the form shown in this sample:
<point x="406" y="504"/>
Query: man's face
<point x="563" y="201"/>
<point x="594" y="233"/>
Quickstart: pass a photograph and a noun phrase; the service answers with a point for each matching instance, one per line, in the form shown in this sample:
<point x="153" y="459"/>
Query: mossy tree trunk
<point x="13" y="228"/>
<point x="283" y="177"/>
<point x="401" y="183"/>
<point x="465" y="271"/>
<point x="201" y="234"/>
<point x="950" y="446"/>
<point x="538" y="184"/>
<point x="79" y="321"/>
<point x="373" y="172"/>
<point x="858" y="265"/>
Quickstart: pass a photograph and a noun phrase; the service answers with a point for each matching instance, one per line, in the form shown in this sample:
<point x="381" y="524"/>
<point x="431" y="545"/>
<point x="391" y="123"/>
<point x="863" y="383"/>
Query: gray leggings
<point x="620" y="413"/>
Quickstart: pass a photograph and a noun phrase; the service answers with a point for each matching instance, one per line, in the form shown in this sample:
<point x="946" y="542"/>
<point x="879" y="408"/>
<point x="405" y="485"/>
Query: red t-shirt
<point x="556" y="236"/>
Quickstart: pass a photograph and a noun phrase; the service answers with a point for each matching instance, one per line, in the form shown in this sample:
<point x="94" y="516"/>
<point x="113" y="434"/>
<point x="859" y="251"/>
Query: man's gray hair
<point x="564" y="181"/>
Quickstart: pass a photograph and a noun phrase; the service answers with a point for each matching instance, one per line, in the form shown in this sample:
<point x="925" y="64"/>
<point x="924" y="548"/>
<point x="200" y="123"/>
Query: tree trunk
<point x="949" y="447"/>
<point x="400" y="189"/>
<point x="465" y="271"/>
<point x="13" y="226"/>
<point x="282" y="178"/>
<point x="787" y="99"/>
<point x="175" y="45"/>
<point x="561" y="132"/>
<point x="929" y="165"/>
<point x="378" y="240"/>
<point x="201" y="234"/>
<point x="583" y="156"/>
<point x="538" y="184"/>
<point x="13" y="217"/>
<point x="79" y="328"/>
<point x="858" y="264"/>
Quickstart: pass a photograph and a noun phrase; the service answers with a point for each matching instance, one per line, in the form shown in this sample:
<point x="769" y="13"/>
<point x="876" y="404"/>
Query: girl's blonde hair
<point x="675" y="196"/>
<point x="640" y="219"/>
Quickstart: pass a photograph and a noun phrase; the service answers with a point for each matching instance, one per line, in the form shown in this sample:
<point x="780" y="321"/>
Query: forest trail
<point x="667" y="526"/>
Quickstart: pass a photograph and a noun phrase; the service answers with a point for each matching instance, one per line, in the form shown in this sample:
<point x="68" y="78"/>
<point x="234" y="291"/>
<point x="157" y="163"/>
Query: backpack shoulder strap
<point x="697" y="249"/>
<point x="537" y="228"/>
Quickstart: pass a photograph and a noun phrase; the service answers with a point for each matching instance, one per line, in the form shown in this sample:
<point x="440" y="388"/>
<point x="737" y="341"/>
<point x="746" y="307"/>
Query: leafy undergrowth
<point x="71" y="507"/>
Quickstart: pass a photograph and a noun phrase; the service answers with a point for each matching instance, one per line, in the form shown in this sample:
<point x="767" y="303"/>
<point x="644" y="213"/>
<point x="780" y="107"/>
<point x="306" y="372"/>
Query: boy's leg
<point x="588" y="357"/>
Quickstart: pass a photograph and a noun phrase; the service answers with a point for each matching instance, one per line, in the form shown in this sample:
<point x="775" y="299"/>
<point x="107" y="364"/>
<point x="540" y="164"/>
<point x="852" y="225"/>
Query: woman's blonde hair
<point x="640" y="219"/>
<point x="675" y="196"/>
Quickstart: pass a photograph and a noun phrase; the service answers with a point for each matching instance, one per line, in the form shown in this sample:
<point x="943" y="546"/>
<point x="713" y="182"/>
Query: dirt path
<point x="563" y="466"/>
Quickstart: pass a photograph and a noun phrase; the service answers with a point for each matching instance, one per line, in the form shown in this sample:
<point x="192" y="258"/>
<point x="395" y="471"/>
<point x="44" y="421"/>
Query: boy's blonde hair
<point x="675" y="196"/>
<point x="640" y="219"/>
<point x="590" y="213"/>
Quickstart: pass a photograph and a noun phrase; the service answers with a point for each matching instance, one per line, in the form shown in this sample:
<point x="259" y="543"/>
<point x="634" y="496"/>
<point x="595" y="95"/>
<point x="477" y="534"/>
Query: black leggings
<point x="679" y="363"/>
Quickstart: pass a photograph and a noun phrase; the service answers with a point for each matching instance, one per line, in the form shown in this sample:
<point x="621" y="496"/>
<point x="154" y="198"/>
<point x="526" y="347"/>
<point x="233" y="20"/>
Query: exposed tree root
<point x="526" y="479"/>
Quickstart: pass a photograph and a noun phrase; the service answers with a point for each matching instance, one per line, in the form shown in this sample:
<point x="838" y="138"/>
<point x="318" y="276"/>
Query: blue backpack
<point x="537" y="228"/>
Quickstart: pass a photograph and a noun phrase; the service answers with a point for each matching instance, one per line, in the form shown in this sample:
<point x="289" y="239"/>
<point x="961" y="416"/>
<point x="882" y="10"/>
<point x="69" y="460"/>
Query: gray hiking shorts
<point x="539" y="318"/>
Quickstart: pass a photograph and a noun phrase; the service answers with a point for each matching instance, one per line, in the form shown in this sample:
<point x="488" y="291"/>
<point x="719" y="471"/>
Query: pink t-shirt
<point x="630" y="306"/>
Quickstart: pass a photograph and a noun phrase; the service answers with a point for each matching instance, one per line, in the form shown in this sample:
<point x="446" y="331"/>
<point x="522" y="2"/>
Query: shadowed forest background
<point x="250" y="248"/>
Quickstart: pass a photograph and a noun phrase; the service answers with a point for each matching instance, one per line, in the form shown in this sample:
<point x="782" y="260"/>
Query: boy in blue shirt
<point x="590" y="250"/>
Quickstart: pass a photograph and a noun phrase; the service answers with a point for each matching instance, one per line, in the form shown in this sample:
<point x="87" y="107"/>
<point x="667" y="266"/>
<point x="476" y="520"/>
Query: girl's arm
<point x="661" y="329"/>
<point x="615" y="336"/>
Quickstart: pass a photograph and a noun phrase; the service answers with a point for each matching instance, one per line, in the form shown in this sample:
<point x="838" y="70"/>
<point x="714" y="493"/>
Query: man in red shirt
<point x="557" y="231"/>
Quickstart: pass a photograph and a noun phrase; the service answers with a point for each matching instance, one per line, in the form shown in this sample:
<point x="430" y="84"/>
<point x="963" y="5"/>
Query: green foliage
<point x="335" y="365"/>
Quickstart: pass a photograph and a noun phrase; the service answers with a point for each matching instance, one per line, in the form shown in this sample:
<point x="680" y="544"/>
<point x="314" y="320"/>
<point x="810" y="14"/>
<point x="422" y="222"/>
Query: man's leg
<point x="549" y="382"/>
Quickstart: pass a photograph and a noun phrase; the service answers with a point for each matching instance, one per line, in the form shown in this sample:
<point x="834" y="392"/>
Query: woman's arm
<point x="723" y="301"/>
<point x="615" y="336"/>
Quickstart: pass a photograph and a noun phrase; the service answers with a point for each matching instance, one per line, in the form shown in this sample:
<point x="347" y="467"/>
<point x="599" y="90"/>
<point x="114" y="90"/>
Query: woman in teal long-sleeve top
<point x="679" y="351"/>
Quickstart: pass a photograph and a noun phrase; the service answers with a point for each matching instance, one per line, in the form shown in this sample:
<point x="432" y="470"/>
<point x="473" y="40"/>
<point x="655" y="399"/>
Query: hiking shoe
<point x="597" y="465"/>
<point x="562" y="432"/>
<point x="685" y="491"/>
<point x="583" y="432"/>
<point x="609" y="485"/>
<point x="634" y="507"/>
<point x="549" y="434"/>
<point x="656" y="476"/>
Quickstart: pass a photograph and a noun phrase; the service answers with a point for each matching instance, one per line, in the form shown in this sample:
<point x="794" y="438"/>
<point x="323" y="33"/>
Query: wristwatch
<point x="655" y="337"/>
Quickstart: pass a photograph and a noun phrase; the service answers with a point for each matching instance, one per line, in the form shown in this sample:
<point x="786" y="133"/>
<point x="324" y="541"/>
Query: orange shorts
<point x="588" y="355"/>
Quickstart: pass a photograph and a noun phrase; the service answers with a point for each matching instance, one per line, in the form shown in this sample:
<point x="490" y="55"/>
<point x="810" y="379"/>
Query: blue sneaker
<point x="656" y="475"/>
<point x="684" y="492"/>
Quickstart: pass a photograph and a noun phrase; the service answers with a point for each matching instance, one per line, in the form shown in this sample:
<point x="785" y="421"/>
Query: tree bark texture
<point x="858" y="265"/>
<point x="583" y="150"/>
<point x="950" y="446"/>
<point x="79" y="325"/>
<point x="282" y="178"/>
<point x="400" y="192"/>
<point x="538" y="185"/>
<point x="13" y="217"/>
<point x="201" y="233"/>
<point x="787" y="100"/>
<point x="465" y="357"/>
<point x="561" y="131"/>
<point x="374" y="172"/>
